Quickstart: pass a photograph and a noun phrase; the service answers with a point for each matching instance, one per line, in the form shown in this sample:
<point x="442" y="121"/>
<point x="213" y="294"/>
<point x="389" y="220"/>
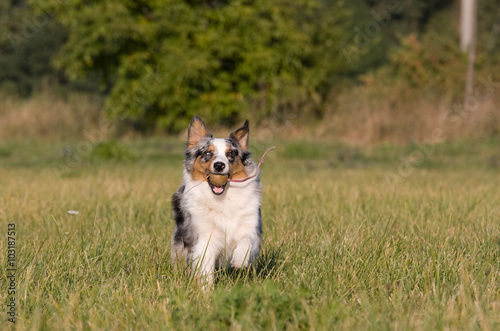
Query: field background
<point x="350" y="240"/>
<point x="381" y="202"/>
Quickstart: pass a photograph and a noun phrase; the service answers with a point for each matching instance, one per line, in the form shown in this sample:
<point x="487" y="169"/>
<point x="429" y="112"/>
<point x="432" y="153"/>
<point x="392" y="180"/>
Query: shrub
<point x="165" y="61"/>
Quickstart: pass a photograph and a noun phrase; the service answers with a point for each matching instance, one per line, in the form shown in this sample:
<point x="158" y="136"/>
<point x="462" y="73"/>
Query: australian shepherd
<point x="217" y="221"/>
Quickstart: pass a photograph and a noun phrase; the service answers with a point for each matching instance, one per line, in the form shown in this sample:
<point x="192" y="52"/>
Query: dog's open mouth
<point x="217" y="183"/>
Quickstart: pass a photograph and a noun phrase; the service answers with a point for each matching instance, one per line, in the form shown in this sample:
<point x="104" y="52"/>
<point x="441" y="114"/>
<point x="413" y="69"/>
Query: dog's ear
<point x="241" y="135"/>
<point x="196" y="131"/>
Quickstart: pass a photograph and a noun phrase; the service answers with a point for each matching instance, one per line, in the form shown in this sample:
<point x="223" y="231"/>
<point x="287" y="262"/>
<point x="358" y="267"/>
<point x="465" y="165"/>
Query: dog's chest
<point x="237" y="207"/>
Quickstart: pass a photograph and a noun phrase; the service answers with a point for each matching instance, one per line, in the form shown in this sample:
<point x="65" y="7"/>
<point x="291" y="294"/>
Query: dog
<point x="217" y="224"/>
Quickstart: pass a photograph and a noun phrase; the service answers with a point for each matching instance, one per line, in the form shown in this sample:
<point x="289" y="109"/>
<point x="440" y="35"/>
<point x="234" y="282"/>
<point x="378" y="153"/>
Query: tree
<point x="27" y="44"/>
<point x="165" y="61"/>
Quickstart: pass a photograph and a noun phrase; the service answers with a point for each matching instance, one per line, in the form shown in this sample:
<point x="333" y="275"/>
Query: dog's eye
<point x="207" y="154"/>
<point x="231" y="155"/>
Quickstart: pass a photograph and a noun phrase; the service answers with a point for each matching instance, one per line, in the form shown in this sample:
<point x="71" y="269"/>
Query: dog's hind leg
<point x="178" y="253"/>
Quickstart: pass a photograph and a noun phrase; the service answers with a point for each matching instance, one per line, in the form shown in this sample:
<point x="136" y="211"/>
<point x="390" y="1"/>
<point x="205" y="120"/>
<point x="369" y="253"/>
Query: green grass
<point x="343" y="248"/>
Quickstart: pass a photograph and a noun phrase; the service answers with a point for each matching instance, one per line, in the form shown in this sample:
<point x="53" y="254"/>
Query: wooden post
<point x="468" y="23"/>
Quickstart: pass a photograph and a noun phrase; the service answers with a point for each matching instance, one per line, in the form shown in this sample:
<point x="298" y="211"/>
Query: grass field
<point x="345" y="245"/>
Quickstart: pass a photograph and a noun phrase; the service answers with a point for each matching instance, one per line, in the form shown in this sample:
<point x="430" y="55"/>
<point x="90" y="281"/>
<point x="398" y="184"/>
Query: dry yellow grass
<point x="374" y="114"/>
<point x="364" y="115"/>
<point x="46" y="115"/>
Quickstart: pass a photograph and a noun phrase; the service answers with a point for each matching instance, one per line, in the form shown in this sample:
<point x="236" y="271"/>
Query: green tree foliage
<point x="168" y="60"/>
<point x="430" y="59"/>
<point x="379" y="26"/>
<point x="161" y="61"/>
<point x="489" y="32"/>
<point x="27" y="44"/>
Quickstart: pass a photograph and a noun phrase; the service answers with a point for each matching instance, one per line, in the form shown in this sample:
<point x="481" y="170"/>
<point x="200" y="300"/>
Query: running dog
<point x="217" y="220"/>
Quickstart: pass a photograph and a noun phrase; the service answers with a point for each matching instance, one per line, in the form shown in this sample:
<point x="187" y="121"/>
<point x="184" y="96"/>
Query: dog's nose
<point x="219" y="166"/>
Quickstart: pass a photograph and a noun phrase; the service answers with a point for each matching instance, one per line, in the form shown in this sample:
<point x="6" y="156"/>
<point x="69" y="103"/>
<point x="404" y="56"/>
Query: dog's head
<point x="215" y="159"/>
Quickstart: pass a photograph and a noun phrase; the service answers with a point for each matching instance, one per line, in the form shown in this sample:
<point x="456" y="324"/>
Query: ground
<point x="387" y="237"/>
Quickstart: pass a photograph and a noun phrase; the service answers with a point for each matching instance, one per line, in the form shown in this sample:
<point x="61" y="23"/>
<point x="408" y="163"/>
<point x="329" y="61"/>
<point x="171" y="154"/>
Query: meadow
<point x="349" y="241"/>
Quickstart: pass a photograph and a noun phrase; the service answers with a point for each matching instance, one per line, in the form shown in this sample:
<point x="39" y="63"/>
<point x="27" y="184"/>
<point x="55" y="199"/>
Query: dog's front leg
<point x="204" y="256"/>
<point x="245" y="252"/>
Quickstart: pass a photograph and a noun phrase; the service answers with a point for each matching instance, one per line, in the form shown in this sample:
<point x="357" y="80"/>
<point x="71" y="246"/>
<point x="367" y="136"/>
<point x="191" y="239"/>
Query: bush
<point x="168" y="60"/>
<point x="27" y="45"/>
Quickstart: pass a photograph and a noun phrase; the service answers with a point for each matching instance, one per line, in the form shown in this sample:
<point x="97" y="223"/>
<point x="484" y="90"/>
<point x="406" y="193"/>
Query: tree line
<point x="159" y="62"/>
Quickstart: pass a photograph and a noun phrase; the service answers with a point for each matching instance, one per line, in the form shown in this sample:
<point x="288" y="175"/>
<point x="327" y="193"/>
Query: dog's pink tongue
<point x="218" y="189"/>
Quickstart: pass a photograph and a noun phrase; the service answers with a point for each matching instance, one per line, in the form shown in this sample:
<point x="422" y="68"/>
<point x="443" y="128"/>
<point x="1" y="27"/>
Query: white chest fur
<point x="225" y="223"/>
<point x="237" y="207"/>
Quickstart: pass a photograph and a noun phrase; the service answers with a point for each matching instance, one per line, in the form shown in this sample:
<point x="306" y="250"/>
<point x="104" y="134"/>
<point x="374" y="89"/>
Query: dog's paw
<point x="240" y="264"/>
<point x="240" y="259"/>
